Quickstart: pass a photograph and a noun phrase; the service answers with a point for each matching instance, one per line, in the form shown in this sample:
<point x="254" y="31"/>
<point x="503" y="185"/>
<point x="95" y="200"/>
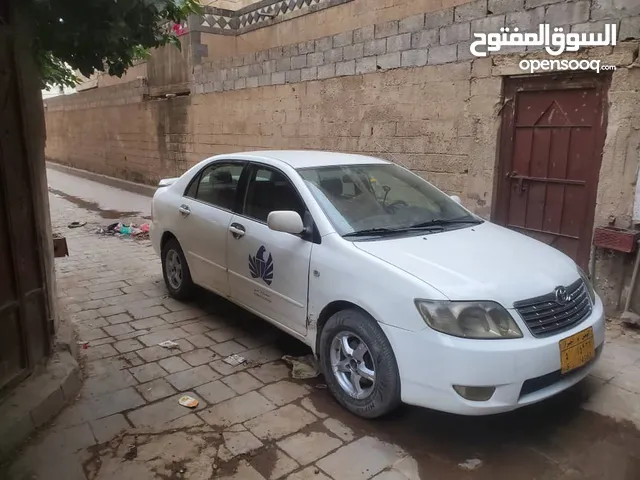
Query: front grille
<point x="545" y="316"/>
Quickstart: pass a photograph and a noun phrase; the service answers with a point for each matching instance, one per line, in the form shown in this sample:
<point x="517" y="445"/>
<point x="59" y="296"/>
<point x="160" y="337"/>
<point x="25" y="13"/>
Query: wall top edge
<point x="256" y="15"/>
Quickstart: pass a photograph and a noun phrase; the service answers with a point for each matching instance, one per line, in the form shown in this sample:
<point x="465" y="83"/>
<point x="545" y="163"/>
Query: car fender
<point x="340" y="272"/>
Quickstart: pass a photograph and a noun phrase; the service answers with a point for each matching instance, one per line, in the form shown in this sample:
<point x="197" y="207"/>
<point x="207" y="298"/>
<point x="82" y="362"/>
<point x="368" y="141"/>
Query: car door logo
<point x="261" y="267"/>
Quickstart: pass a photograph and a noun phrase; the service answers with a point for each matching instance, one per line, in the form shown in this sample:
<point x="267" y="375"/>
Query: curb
<point x="126" y="185"/>
<point x="37" y="400"/>
<point x="41" y="397"/>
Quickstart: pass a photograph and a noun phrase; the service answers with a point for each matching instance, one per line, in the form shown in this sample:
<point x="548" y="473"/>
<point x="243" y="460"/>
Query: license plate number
<point x="577" y="350"/>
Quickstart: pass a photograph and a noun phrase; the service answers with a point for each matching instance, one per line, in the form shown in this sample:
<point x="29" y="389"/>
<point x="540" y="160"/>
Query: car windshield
<point x="381" y="198"/>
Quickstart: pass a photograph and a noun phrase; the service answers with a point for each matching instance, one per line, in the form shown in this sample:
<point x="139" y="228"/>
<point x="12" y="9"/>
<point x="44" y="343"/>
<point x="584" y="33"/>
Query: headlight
<point x="588" y="285"/>
<point x="479" y="320"/>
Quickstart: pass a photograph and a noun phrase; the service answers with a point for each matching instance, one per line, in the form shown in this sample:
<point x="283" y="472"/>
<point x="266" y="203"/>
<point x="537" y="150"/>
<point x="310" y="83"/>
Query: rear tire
<point x="175" y="270"/>
<point x="359" y="365"/>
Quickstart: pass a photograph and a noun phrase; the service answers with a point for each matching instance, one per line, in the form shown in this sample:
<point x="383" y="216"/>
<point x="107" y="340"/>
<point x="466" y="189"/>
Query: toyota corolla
<point x="402" y="293"/>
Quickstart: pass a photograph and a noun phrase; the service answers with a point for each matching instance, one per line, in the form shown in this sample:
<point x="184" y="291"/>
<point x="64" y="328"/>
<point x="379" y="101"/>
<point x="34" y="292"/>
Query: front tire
<point x="359" y="365"/>
<point x="175" y="270"/>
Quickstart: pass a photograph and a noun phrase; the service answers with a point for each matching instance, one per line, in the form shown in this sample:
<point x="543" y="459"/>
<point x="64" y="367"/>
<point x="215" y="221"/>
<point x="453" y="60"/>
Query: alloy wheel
<point x="352" y="365"/>
<point x="174" y="269"/>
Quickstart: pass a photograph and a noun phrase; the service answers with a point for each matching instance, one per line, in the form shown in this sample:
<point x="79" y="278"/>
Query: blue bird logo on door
<point x="261" y="267"/>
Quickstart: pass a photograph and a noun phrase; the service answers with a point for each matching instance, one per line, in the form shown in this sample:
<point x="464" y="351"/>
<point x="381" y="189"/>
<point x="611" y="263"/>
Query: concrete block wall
<point x="376" y="114"/>
<point x="403" y="86"/>
<point x="118" y="131"/>
<point x="432" y="38"/>
<point x="126" y="93"/>
<point x="416" y="42"/>
<point x="140" y="147"/>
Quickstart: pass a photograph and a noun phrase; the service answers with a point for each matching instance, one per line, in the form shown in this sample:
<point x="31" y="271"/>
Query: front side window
<point x="270" y="190"/>
<point x="384" y="197"/>
<point x="217" y="185"/>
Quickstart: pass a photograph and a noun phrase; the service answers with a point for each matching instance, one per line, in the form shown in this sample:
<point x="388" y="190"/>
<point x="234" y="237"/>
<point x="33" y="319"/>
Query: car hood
<point x="482" y="262"/>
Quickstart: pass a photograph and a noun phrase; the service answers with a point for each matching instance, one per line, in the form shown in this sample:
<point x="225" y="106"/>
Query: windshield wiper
<point x="439" y="222"/>
<point x="373" y="231"/>
<point x="389" y="231"/>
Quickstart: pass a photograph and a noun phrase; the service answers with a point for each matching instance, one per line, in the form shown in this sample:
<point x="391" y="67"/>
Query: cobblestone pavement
<point x="253" y="422"/>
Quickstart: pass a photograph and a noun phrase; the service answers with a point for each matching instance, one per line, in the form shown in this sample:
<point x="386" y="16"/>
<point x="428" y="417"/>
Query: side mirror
<point x="456" y="199"/>
<point x="286" y="221"/>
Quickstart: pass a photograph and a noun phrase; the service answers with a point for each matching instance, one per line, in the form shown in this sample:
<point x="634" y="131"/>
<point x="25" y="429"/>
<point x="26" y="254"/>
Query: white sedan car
<point x="401" y="293"/>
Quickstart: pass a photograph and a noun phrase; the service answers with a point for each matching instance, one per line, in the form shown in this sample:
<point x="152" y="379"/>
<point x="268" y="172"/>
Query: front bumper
<point x="524" y="370"/>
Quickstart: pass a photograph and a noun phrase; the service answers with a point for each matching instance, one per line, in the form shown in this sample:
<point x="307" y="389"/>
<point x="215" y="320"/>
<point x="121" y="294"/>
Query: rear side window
<point x="217" y="185"/>
<point x="193" y="188"/>
<point x="270" y="190"/>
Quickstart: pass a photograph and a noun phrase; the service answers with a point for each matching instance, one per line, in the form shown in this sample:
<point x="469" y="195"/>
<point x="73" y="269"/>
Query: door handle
<point x="237" y="230"/>
<point x="184" y="210"/>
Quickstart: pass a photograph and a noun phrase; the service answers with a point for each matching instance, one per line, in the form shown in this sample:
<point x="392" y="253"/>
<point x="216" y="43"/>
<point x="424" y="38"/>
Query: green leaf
<point x="100" y="35"/>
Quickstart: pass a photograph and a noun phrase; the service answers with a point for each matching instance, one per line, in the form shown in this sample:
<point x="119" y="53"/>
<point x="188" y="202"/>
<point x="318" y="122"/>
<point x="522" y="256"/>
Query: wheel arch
<point x="393" y="397"/>
<point x="331" y="309"/>
<point x="166" y="236"/>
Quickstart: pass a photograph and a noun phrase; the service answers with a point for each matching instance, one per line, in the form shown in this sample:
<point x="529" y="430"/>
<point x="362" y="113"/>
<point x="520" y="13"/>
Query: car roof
<point x="309" y="158"/>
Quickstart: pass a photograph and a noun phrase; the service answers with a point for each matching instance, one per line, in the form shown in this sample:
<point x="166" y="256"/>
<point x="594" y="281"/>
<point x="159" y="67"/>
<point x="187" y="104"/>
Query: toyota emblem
<point x="562" y="296"/>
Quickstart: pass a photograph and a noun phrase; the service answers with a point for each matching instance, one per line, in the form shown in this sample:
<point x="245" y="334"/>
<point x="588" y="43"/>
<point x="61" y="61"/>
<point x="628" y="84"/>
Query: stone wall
<point x="119" y="131"/>
<point x="102" y="80"/>
<point x="377" y="114"/>
<point x="389" y="78"/>
<point x="256" y="15"/>
<point x="412" y="44"/>
<point x="228" y="4"/>
<point x="166" y="70"/>
<point x="439" y="37"/>
<point x="313" y="23"/>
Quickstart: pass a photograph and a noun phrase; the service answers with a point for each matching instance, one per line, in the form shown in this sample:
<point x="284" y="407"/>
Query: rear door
<point x="269" y="270"/>
<point x="206" y="209"/>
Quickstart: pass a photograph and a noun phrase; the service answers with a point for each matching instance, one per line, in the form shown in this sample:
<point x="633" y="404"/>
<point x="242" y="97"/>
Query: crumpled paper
<point x="303" y="368"/>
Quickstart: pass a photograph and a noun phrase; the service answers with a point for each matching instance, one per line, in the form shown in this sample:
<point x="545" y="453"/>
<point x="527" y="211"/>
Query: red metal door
<point x="552" y="136"/>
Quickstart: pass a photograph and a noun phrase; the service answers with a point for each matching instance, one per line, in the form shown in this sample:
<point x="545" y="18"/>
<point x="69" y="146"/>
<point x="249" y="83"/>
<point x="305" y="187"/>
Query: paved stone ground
<point x="253" y="422"/>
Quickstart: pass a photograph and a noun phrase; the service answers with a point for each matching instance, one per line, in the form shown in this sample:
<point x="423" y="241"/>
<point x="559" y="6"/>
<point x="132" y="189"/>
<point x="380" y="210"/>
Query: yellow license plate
<point x="577" y="350"/>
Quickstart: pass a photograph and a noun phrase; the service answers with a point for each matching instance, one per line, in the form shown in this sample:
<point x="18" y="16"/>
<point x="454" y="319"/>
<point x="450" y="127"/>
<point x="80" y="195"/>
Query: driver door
<point x="269" y="270"/>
